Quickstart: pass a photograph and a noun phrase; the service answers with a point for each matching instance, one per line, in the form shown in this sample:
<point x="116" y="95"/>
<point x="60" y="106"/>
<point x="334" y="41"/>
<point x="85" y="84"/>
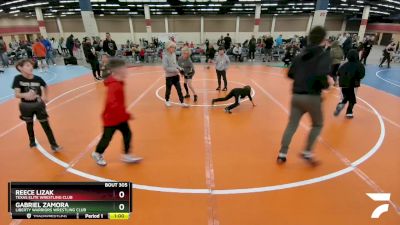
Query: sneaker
<point x="225" y="89"/>
<point x="218" y="89"/>
<point x="130" y="158"/>
<point x="309" y="159"/>
<point x="187" y="96"/>
<point x="212" y="102"/>
<point x="280" y="160"/>
<point x="54" y="64"/>
<point x="195" y="98"/>
<point x="349" y="116"/>
<point x="32" y="144"/>
<point x="338" y="109"/>
<point x="185" y="105"/>
<point x="99" y="159"/>
<point x="168" y="103"/>
<point x="228" y="110"/>
<point x="56" y="148"/>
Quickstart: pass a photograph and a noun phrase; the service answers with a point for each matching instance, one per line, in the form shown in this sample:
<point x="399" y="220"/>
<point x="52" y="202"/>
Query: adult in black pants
<point x="109" y="45"/>
<point x="387" y="54"/>
<point x="70" y="44"/>
<point x="347" y="44"/>
<point x="309" y="71"/>
<point x="91" y="58"/>
<point x="350" y="75"/>
<point x="238" y="94"/>
<point x="32" y="90"/>
<point x="227" y="42"/>
<point x="367" y="46"/>
<point x="269" y="43"/>
<point x="172" y="71"/>
<point x="252" y="47"/>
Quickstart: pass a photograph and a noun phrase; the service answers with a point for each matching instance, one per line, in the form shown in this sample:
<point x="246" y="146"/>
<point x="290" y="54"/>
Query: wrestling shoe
<point x="309" y="159"/>
<point x="185" y="105"/>
<point x="338" y="109"/>
<point x="99" y="159"/>
<point x="32" y="144"/>
<point x="56" y="148"/>
<point x="228" y="110"/>
<point x="130" y="158"/>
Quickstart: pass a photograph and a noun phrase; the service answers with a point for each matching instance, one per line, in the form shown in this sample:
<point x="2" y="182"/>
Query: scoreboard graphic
<point x="70" y="200"/>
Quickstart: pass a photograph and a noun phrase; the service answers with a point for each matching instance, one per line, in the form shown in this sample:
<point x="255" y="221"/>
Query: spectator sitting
<point x="237" y="52"/>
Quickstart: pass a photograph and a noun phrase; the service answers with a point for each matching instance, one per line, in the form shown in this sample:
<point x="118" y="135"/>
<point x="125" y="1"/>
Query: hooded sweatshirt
<point x="170" y="65"/>
<point x="336" y="53"/>
<point x="115" y="111"/>
<point x="351" y="73"/>
<point x="309" y="71"/>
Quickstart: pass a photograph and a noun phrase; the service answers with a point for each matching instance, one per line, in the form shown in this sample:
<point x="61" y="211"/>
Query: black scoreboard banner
<point x="70" y="200"/>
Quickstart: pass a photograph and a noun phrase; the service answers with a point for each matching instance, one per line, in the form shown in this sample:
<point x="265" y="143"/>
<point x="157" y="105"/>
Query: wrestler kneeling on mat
<point x="237" y="93"/>
<point x="32" y="90"/>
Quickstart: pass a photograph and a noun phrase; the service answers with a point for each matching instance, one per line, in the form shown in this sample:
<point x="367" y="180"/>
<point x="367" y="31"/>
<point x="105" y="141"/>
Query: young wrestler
<point x="115" y="116"/>
<point x="187" y="72"/>
<point x="221" y="65"/>
<point x="237" y="93"/>
<point x="32" y="90"/>
<point x="350" y="75"/>
<point x="172" y="72"/>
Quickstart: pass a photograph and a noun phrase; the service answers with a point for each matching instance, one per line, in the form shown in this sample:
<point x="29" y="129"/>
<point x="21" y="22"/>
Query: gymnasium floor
<point x="202" y="166"/>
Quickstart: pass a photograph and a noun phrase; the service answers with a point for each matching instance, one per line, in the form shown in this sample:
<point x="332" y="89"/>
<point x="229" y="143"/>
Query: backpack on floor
<point x="70" y="61"/>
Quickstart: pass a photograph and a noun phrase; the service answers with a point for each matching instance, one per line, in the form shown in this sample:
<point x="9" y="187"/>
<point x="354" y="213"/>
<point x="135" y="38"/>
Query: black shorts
<point x="30" y="109"/>
<point x="188" y="77"/>
<point x="41" y="58"/>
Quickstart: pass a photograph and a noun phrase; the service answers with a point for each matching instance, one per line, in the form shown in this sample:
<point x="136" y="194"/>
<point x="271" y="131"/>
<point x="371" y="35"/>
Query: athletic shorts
<point x="30" y="109"/>
<point x="188" y="77"/>
<point x="41" y="58"/>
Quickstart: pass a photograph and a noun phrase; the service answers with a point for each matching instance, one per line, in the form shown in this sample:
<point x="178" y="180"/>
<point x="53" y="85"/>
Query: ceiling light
<point x="12" y="2"/>
<point x="110" y="5"/>
<point x="68" y="1"/>
<point x="14" y="11"/>
<point x="270" y="4"/>
<point x="30" y="5"/>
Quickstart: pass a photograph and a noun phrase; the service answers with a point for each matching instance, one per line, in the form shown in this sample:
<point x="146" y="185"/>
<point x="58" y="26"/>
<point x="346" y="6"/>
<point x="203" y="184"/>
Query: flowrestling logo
<point x="379" y="197"/>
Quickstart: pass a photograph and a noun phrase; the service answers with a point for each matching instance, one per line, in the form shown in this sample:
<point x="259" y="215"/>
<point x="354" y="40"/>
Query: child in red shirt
<point x="40" y="52"/>
<point x="115" y="117"/>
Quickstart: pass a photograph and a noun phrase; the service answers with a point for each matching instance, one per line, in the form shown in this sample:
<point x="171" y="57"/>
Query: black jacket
<point x="351" y="73"/>
<point x="87" y="51"/>
<point x="242" y="93"/>
<point x="70" y="42"/>
<point x="309" y="71"/>
<point x="269" y="42"/>
<point x="347" y="44"/>
<point x="252" y="44"/>
<point x="110" y="47"/>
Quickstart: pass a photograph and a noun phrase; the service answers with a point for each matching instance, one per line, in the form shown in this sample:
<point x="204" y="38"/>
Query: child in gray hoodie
<point x="221" y="65"/>
<point x="172" y="71"/>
